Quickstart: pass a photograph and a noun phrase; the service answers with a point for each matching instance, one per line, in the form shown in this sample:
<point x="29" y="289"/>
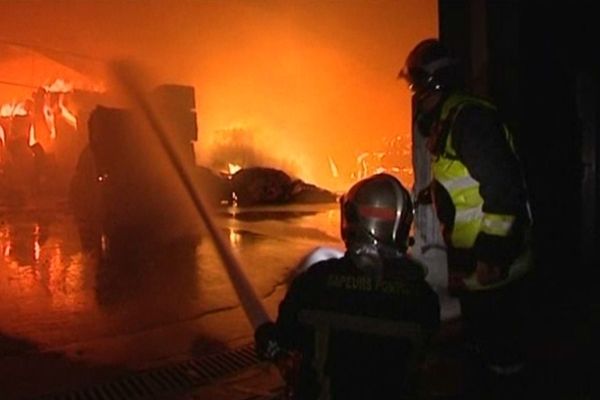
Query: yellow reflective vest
<point x="470" y="219"/>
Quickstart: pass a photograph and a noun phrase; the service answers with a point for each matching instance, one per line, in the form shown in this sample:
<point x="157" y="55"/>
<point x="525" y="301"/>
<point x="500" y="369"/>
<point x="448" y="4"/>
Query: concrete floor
<point x="68" y="321"/>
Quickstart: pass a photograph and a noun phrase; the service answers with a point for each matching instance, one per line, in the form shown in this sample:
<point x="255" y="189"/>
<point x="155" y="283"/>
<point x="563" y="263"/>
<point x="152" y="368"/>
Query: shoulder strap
<point x="450" y="109"/>
<point x="457" y="101"/>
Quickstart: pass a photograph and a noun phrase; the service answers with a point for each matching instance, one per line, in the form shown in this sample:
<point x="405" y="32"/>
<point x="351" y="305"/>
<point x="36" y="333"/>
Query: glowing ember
<point x="51" y="99"/>
<point x="394" y="159"/>
<point x="234" y="238"/>
<point x="67" y="115"/>
<point x="334" y="170"/>
<point x="37" y="249"/>
<point x="31" y="141"/>
<point x="59" y="86"/>
<point x="13" y="110"/>
<point x="49" y="116"/>
<point x="233" y="168"/>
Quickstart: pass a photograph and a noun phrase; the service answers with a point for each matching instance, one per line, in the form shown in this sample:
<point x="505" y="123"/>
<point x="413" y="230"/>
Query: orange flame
<point x="13" y="109"/>
<point x="66" y="113"/>
<point x="32" y="140"/>
<point x="59" y="86"/>
<point x="234" y="238"/>
<point x="395" y="159"/>
<point x="49" y="116"/>
<point x="334" y="169"/>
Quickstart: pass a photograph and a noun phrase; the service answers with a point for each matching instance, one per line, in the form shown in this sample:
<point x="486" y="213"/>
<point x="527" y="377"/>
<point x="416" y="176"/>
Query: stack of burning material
<point x="260" y="185"/>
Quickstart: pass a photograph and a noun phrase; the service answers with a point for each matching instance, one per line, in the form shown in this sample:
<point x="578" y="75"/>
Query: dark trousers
<point x="494" y="323"/>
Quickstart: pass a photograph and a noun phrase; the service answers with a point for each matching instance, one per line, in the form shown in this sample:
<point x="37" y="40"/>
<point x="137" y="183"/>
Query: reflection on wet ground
<point x="68" y="320"/>
<point x="146" y="304"/>
<point x="258" y="215"/>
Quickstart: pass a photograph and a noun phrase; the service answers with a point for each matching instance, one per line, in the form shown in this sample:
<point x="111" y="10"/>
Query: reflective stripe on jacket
<point x="469" y="218"/>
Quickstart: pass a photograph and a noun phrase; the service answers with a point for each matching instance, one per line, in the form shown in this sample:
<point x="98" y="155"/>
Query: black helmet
<point x="377" y="211"/>
<point x="429" y="67"/>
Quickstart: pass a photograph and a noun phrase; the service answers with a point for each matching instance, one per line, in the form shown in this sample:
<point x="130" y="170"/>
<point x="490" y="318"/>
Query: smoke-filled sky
<point x="301" y="81"/>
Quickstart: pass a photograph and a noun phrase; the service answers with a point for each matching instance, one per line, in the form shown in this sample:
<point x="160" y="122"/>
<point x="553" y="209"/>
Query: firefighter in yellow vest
<point x="480" y="200"/>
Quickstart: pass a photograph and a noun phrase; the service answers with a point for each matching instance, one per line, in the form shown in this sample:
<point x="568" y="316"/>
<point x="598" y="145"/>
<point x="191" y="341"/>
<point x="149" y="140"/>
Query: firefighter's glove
<point x="488" y="274"/>
<point x="267" y="343"/>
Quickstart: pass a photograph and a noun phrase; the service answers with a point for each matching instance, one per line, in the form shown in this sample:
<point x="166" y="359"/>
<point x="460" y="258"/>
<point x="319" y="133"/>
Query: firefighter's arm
<point x="277" y="342"/>
<point x="274" y="339"/>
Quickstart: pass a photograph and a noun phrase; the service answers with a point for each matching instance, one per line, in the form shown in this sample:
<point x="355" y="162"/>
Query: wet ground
<point x="69" y="319"/>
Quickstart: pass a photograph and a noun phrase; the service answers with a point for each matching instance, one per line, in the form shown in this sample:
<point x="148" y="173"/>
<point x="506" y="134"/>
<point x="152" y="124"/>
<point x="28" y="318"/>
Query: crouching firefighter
<point x="357" y="324"/>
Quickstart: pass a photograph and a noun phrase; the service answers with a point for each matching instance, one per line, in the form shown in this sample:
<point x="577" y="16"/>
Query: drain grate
<point x="177" y="377"/>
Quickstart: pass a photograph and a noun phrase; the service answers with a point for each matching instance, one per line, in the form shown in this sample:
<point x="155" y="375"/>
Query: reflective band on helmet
<point x="497" y="224"/>
<point x="389" y="214"/>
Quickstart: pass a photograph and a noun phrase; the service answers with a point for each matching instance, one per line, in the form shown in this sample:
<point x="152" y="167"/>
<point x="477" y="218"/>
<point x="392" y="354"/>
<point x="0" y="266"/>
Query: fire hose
<point x="129" y="77"/>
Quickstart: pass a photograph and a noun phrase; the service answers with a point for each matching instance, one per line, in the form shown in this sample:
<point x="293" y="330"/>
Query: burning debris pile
<point x="254" y="186"/>
<point x="62" y="142"/>
<point x="125" y="187"/>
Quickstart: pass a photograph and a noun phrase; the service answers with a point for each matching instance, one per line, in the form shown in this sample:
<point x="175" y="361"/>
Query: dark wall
<point x="550" y="137"/>
<point x="542" y="71"/>
<point x="558" y="116"/>
<point x="454" y="30"/>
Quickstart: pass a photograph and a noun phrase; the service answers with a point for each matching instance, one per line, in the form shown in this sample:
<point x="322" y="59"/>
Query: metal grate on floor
<point x="172" y="378"/>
